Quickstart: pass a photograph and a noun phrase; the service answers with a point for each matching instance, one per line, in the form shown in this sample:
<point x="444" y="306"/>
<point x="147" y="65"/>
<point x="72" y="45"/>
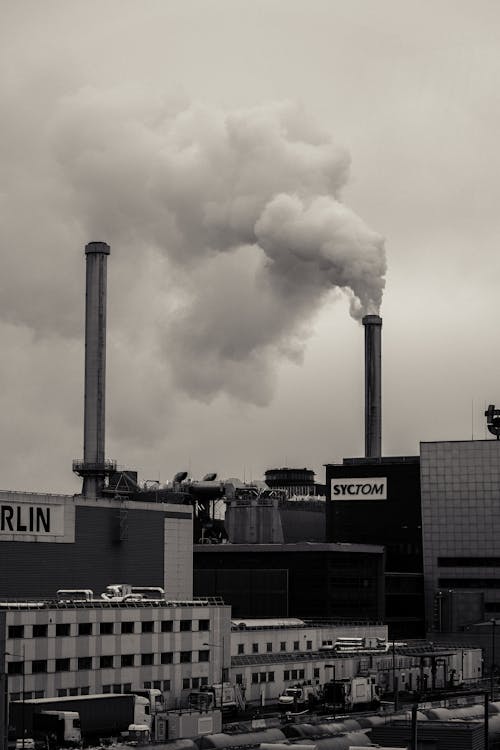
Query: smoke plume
<point x="243" y="211"/>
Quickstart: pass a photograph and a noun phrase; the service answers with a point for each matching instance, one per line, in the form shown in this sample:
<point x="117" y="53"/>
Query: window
<point x="85" y="662"/>
<point x="84" y="628"/>
<point x="117" y="688"/>
<point x="203" y="624"/>
<point x="15" y="696"/>
<point x="106" y="662"/>
<point x="184" y="625"/>
<point x="255" y="677"/>
<point x="195" y="683"/>
<point x="39" y="693"/>
<point x="28" y="695"/>
<point x="185" y="657"/>
<point x="39" y="666"/>
<point x="147" y="659"/>
<point x="127" y="687"/>
<point x="255" y="648"/>
<point x="128" y="626"/>
<point x="185" y="683"/>
<point x="127" y="660"/>
<point x="106" y="628"/>
<point x="262" y="677"/>
<point x="316" y="673"/>
<point x="106" y="688"/>
<point x="204" y="681"/>
<point x="166" y="685"/>
<point x="269" y="647"/>
<point x="166" y="657"/>
<point x="15" y="631"/>
<point x="147" y="685"/>
<point x="296" y="646"/>
<point x="270" y="676"/>
<point x="203" y="655"/>
<point x="147" y="626"/>
<point x="302" y="674"/>
<point x="62" y="693"/>
<point x="166" y="626"/>
<point x="85" y="690"/>
<point x="15" y="667"/>
<point x="157" y="684"/>
<point x="40" y="631"/>
<point x="239" y="679"/>
<point x="294" y="674"/>
<point x="63" y="628"/>
<point x="283" y="646"/>
<point x="62" y="665"/>
<point x="286" y="674"/>
<point x="309" y="645"/>
<point x="241" y="648"/>
<point x="73" y="691"/>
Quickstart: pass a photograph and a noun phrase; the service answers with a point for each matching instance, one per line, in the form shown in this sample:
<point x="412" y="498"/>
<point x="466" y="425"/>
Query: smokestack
<point x="94" y="468"/>
<point x="373" y="385"/>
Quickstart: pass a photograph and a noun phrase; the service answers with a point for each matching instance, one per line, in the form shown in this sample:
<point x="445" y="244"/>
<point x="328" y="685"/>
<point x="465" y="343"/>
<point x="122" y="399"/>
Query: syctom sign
<point x="359" y="488"/>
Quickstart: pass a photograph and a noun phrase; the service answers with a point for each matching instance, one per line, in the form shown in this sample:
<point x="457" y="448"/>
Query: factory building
<point x="461" y="528"/>
<point x="308" y="580"/>
<point x="376" y="500"/>
<point x="51" y="542"/>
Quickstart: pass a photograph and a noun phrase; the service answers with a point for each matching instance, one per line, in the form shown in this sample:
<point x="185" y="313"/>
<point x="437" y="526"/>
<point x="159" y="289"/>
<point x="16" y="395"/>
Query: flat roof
<point x="377" y="460"/>
<point x="292" y="547"/>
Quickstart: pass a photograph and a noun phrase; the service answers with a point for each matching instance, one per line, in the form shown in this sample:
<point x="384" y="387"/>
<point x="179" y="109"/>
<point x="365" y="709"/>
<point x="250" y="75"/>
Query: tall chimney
<point x="373" y="385"/>
<point x="94" y="468"/>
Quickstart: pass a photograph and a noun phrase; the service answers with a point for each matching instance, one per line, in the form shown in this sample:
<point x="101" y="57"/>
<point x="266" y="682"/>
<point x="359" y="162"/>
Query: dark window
<point x="270" y="676"/>
<point x="184" y="625"/>
<point x="128" y="626"/>
<point x="255" y="677"/>
<point x="147" y="685"/>
<point x="40" y="631"/>
<point x="166" y="657"/>
<point x="106" y="628"/>
<point x="15" y="696"/>
<point x="106" y="688"/>
<point x="203" y="624"/>
<point x="157" y="684"/>
<point x="62" y="693"/>
<point x="204" y="655"/>
<point x="166" y="626"/>
<point x="185" y="683"/>
<point x="239" y="679"/>
<point x="195" y="683"/>
<point x="316" y="673"/>
<point x="39" y="693"/>
<point x="148" y="626"/>
<point x="106" y="662"/>
<point x="62" y="665"/>
<point x="185" y="657"/>
<point x="286" y="674"/>
<point x="255" y="648"/>
<point x="269" y="647"/>
<point x="15" y="631"/>
<point x="262" y="677"/>
<point x="85" y="690"/>
<point x="73" y="691"/>
<point x="85" y="662"/>
<point x="127" y="687"/>
<point x="28" y="695"/>
<point x="283" y="646"/>
<point x="84" y="628"/>
<point x="147" y="659"/>
<point x="127" y="660"/>
<point x="63" y="628"/>
<point x="38" y="666"/>
<point x="15" y="667"/>
<point x="204" y="681"/>
<point x="309" y="645"/>
<point x="294" y="674"/>
<point x="166" y="685"/>
<point x="302" y="674"/>
<point x="241" y="648"/>
<point x="117" y="688"/>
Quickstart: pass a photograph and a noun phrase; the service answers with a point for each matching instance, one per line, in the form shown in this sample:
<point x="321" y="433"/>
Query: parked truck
<point x="353" y="693"/>
<point x="107" y="715"/>
<point x="299" y="698"/>
<point x="47" y="728"/>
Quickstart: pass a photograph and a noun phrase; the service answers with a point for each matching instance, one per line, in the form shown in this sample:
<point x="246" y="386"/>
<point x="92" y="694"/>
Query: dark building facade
<point x="293" y="580"/>
<point x="377" y="501"/>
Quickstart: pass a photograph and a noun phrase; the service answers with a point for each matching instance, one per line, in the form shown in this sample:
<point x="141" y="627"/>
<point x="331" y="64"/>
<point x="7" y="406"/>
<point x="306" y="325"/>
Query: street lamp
<point x="221" y="646"/>
<point x="23" y="672"/>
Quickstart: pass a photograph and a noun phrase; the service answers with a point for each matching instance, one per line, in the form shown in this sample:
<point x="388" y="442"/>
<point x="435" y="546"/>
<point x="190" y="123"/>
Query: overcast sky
<point x="260" y="169"/>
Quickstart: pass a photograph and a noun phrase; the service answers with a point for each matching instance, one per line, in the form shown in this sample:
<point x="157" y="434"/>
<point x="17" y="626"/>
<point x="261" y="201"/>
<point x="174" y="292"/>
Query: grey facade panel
<point x="107" y="549"/>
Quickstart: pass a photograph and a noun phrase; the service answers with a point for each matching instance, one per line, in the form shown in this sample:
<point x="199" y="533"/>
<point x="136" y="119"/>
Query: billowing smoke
<point x="243" y="211"/>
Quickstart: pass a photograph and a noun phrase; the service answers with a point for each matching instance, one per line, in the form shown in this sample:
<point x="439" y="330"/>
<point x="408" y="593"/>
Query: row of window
<point x="108" y="661"/>
<point x="108" y="628"/>
<point x="288" y="674"/>
<point x="126" y="687"/>
<point x="269" y="647"/>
